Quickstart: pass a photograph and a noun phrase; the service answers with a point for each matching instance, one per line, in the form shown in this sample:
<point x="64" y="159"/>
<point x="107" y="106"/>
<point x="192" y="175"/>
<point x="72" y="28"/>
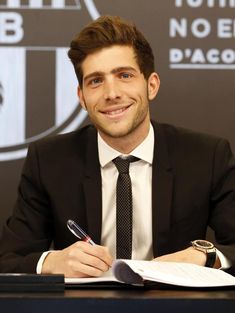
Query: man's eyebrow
<point x="123" y="69"/>
<point x="113" y="71"/>
<point x="93" y="74"/>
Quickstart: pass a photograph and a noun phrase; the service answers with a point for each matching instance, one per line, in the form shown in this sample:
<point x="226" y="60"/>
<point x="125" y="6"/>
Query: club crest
<point x="37" y="81"/>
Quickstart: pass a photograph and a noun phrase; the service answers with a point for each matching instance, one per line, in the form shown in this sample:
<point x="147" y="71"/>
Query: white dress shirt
<point x="141" y="178"/>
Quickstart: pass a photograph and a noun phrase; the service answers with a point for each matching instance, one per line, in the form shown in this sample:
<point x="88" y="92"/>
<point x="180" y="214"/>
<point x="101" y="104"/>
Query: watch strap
<point x="210" y="258"/>
<point x="208" y="248"/>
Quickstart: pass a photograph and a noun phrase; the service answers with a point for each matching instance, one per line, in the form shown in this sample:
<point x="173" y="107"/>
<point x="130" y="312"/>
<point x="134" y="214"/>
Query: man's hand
<point x="78" y="260"/>
<point x="189" y="255"/>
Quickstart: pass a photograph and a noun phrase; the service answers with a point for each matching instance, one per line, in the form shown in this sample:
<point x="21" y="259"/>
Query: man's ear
<point x="81" y="98"/>
<point x="153" y="85"/>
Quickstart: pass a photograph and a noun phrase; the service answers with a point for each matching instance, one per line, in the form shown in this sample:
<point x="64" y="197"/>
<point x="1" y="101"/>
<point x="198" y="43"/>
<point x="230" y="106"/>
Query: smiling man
<point x="178" y="183"/>
<point x="116" y="96"/>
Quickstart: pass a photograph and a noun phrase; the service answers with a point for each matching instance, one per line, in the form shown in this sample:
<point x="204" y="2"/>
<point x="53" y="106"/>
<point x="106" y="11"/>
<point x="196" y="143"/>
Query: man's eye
<point x="126" y="75"/>
<point x="96" y="81"/>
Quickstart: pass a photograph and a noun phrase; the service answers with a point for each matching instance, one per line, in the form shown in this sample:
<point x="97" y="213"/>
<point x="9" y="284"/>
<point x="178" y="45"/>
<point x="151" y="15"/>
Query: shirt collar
<point x="144" y="151"/>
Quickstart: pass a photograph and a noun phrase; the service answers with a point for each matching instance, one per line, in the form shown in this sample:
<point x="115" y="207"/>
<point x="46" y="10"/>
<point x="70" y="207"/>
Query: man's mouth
<point x="116" y="112"/>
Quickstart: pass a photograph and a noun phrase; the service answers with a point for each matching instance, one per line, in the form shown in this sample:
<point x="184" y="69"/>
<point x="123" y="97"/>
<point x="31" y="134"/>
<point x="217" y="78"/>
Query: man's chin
<point x="115" y="132"/>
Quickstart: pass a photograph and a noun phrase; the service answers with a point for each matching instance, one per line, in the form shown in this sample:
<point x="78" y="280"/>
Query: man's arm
<point x="28" y="232"/>
<point x="221" y="214"/>
<point x="188" y="255"/>
<point x="78" y="260"/>
<point x="31" y="229"/>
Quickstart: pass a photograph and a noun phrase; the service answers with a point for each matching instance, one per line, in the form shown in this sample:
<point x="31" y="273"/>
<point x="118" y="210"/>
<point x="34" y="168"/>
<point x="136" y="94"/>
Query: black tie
<point x="124" y="208"/>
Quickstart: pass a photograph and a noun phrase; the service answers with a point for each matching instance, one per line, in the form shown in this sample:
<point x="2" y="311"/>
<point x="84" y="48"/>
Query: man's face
<point x="115" y="92"/>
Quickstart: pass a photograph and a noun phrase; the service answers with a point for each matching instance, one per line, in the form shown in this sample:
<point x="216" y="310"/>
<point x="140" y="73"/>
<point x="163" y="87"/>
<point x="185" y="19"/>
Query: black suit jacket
<point x="193" y="186"/>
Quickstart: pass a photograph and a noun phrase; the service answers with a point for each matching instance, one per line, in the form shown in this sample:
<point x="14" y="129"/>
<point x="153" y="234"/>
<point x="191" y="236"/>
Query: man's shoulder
<point x="174" y="133"/>
<point x="181" y="142"/>
<point x="78" y="136"/>
<point x="65" y="144"/>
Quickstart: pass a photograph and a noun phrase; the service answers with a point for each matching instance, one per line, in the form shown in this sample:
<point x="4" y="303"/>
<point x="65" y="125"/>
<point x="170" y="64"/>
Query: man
<point x="181" y="183"/>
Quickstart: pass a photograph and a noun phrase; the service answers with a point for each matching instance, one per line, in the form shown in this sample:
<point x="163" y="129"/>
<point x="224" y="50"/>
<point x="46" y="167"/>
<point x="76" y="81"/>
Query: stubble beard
<point x="125" y="131"/>
<point x="112" y="132"/>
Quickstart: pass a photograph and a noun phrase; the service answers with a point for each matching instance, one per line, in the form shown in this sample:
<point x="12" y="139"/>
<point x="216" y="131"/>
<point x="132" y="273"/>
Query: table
<point x="119" y="300"/>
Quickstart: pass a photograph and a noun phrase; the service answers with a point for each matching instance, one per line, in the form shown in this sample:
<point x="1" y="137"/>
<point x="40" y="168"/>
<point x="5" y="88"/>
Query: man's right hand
<point x="78" y="260"/>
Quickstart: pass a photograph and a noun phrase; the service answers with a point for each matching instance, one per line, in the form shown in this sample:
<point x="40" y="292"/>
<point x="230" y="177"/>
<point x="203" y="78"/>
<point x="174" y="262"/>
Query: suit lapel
<point x="162" y="186"/>
<point x="92" y="187"/>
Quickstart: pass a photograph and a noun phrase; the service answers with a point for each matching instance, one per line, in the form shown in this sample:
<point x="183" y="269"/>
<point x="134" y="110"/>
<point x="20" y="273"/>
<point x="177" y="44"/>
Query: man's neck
<point x="128" y="143"/>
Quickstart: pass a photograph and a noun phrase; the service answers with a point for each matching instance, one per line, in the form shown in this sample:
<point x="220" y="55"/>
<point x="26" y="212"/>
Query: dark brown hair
<point x="107" y="31"/>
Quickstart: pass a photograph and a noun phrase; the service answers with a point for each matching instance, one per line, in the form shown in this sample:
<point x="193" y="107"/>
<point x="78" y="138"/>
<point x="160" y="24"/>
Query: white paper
<point x="174" y="273"/>
<point x="181" y="274"/>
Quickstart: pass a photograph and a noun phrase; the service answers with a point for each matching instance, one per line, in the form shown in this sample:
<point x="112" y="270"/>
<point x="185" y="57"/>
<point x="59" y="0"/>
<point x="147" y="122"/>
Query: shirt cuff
<point x="40" y="262"/>
<point x="225" y="263"/>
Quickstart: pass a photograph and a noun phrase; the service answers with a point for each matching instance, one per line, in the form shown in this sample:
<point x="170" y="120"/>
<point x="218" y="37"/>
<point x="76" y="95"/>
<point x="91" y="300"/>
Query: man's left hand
<point x="189" y="255"/>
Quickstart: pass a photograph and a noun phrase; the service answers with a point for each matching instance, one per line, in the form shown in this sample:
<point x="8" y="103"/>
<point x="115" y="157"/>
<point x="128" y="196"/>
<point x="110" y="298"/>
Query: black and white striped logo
<point x="40" y="4"/>
<point x="37" y="81"/>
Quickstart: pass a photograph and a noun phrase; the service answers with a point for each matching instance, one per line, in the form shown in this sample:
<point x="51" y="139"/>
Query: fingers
<point x="96" y="251"/>
<point x="77" y="269"/>
<point x="78" y="260"/>
<point x="90" y="260"/>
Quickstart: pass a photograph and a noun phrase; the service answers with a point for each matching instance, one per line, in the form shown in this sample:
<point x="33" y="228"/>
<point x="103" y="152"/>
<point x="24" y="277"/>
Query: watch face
<point x="204" y="244"/>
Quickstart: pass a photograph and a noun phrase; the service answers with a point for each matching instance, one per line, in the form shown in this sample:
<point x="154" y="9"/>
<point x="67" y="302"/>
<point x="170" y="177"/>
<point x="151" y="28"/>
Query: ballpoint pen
<point x="79" y="232"/>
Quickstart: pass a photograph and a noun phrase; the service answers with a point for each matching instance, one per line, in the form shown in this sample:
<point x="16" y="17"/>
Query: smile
<point x="117" y="112"/>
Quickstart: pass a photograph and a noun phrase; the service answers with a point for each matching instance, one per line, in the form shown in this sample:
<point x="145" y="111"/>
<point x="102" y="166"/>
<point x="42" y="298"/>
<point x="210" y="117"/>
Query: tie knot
<point x="122" y="165"/>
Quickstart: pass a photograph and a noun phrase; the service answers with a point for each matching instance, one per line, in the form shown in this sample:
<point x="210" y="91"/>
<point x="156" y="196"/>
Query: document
<point x="140" y="273"/>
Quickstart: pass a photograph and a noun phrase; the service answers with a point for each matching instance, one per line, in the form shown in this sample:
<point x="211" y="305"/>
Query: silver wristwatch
<point x="208" y="248"/>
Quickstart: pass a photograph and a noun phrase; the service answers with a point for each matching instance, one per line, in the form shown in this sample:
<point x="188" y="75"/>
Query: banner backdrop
<point x="194" y="46"/>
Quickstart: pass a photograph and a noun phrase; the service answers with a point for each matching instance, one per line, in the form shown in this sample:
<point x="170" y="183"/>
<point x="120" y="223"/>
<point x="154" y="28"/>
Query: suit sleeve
<point x="28" y="233"/>
<point x="222" y="217"/>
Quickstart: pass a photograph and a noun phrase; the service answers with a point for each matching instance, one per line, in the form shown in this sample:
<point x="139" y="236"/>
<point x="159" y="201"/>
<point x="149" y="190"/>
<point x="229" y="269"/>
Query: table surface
<point x="119" y="300"/>
<point x="110" y="293"/>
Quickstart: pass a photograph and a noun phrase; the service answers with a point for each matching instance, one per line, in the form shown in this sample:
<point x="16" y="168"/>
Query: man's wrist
<point x="208" y="249"/>
<point x="41" y="261"/>
<point x="197" y="257"/>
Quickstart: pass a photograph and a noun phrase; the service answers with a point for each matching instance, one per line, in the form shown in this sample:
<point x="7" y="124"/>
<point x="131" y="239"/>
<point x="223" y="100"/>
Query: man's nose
<point x="111" y="90"/>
